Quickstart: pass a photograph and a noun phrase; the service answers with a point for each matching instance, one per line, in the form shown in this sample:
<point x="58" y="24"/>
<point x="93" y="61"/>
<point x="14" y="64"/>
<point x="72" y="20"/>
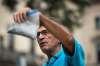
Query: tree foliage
<point x="54" y="6"/>
<point x="57" y="9"/>
<point x="10" y="4"/>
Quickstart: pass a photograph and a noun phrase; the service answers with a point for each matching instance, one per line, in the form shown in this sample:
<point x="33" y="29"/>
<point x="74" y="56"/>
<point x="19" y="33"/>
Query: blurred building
<point x="12" y="47"/>
<point x="16" y="50"/>
<point x="89" y="34"/>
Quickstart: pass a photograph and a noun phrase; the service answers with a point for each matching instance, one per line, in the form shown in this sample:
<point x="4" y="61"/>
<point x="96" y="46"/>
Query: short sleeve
<point x="78" y="57"/>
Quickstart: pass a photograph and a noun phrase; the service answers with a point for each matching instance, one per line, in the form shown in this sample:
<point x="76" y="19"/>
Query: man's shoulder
<point x="77" y="48"/>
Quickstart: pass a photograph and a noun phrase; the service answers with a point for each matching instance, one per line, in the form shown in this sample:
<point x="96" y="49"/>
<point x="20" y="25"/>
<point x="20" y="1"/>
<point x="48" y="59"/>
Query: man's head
<point x="46" y="40"/>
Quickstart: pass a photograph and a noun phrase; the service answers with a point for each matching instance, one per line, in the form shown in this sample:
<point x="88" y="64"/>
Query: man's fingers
<point x="20" y="16"/>
<point x="16" y="19"/>
<point x="24" y="17"/>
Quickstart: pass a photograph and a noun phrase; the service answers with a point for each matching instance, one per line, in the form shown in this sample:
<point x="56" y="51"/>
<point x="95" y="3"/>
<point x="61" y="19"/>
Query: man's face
<point x="46" y="40"/>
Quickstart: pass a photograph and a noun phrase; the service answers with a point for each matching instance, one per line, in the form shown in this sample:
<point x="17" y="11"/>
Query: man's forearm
<point x="57" y="30"/>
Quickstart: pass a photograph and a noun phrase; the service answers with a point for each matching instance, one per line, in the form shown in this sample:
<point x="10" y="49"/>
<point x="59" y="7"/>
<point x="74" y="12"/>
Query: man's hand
<point x="20" y="16"/>
<point x="29" y="27"/>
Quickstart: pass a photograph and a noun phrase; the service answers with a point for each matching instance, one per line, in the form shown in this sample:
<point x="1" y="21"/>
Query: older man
<point x="56" y="42"/>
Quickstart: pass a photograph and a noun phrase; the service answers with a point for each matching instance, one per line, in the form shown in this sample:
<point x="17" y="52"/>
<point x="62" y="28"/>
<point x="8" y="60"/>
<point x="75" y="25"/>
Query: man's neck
<point x="53" y="52"/>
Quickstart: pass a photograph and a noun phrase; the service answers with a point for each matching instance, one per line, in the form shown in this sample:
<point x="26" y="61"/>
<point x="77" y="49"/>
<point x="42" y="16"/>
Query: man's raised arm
<point x="59" y="31"/>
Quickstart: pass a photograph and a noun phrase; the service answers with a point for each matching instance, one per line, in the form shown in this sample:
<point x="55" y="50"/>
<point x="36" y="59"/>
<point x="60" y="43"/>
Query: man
<point x="56" y="42"/>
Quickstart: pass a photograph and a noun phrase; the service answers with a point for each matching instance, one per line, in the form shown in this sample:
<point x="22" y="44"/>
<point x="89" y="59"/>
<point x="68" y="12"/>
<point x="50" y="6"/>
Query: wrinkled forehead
<point x="41" y="28"/>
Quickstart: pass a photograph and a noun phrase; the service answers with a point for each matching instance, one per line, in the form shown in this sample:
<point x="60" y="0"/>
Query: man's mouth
<point x="42" y="43"/>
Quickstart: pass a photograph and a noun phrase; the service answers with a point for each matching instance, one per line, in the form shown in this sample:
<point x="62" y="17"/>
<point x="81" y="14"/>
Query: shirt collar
<point x="55" y="57"/>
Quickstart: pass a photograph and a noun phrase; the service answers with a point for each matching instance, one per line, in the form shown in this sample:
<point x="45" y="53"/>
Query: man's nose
<point x="41" y="36"/>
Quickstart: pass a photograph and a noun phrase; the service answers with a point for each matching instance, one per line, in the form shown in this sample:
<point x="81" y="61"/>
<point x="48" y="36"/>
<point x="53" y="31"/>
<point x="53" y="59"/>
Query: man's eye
<point x="44" y="32"/>
<point x="38" y="33"/>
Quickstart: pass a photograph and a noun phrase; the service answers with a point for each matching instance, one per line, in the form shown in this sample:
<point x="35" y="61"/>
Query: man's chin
<point x="45" y="49"/>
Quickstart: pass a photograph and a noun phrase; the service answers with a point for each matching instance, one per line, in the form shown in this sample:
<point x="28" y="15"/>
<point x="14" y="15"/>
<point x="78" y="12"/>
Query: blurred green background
<point x="82" y="17"/>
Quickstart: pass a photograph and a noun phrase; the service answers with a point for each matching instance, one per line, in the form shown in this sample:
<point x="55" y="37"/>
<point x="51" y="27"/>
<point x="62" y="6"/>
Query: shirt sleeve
<point x="78" y="57"/>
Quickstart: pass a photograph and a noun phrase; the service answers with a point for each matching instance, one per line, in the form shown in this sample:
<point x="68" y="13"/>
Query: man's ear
<point x="59" y="42"/>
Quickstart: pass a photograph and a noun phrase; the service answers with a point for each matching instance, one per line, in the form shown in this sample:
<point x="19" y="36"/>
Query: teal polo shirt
<point x="62" y="57"/>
